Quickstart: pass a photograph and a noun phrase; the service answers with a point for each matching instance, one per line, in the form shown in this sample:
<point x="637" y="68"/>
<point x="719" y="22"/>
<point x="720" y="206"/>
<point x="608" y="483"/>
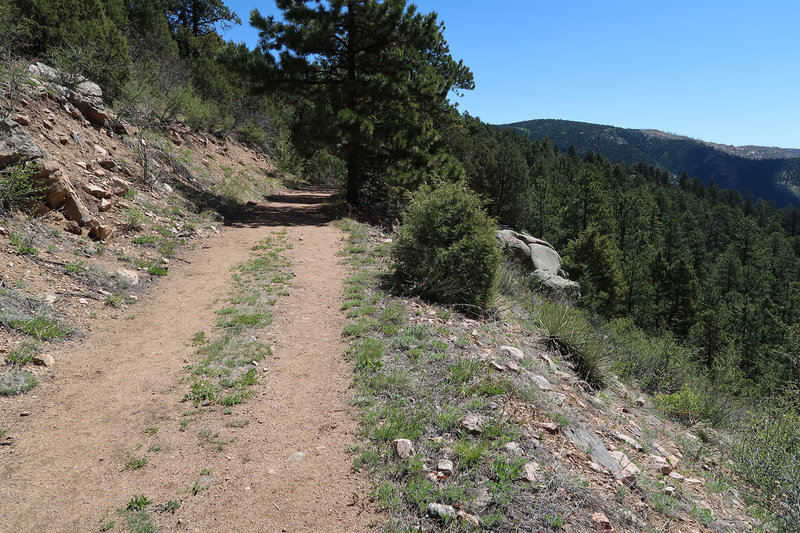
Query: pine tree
<point x="681" y="297"/>
<point x="80" y="37"/>
<point x="379" y="74"/>
<point x="200" y="16"/>
<point x="593" y="260"/>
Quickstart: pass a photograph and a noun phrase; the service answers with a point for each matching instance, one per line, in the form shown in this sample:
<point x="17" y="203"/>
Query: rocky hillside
<point x="117" y="207"/>
<point x="491" y="424"/>
<point x="769" y="173"/>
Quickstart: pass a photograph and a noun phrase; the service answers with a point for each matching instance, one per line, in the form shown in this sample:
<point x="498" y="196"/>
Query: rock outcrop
<point x="16" y="145"/>
<point x="86" y="96"/>
<point x="59" y="193"/>
<point x="539" y="257"/>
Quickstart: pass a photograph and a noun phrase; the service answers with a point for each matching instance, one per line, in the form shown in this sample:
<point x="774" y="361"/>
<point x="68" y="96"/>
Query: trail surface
<point x="118" y="394"/>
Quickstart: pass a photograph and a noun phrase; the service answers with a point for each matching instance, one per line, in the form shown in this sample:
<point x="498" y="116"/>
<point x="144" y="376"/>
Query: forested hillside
<point x="761" y="172"/>
<point x="699" y="263"/>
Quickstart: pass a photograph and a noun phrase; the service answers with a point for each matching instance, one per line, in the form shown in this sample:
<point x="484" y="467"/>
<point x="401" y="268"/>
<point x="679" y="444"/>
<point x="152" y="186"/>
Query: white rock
<point x="515" y="448"/>
<point x="472" y="424"/>
<point x="468" y="519"/>
<point x="541" y="382"/>
<point x="437" y="510"/>
<point x="44" y="360"/>
<point x="445" y="466"/>
<point x="296" y="457"/>
<point x="404" y="448"/>
<point x="530" y="472"/>
<point x="630" y="441"/>
<point x="514" y="353"/>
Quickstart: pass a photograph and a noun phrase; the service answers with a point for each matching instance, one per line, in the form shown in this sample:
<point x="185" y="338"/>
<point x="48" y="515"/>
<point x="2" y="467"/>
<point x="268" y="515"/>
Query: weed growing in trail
<point x="228" y="366"/>
<point x="24" y="353"/>
<point x="135" y="517"/>
<point x="29" y="316"/>
<point x="16" y="382"/>
<point x="567" y="330"/>
<point x="135" y="463"/>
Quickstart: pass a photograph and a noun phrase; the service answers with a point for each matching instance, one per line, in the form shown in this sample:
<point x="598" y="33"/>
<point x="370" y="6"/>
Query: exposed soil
<point x="74" y="433"/>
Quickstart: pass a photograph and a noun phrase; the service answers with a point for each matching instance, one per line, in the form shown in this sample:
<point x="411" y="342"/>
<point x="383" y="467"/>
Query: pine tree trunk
<point x="352" y="173"/>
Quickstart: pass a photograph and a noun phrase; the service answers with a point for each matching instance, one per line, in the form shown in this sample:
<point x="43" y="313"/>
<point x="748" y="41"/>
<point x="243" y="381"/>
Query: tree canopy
<point x="379" y="75"/>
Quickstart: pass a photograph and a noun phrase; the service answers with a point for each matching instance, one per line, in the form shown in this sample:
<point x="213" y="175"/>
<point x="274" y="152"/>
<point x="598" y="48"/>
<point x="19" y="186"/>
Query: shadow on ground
<point x="307" y="207"/>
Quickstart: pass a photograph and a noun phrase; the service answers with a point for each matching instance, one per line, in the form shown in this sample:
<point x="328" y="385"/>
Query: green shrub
<point x="765" y="449"/>
<point x="567" y="330"/>
<point x="658" y="364"/>
<point x="24" y="353"/>
<point x="252" y="134"/>
<point x="689" y="406"/>
<point x="447" y="249"/>
<point x="368" y="354"/>
<point x="324" y="168"/>
<point x="16" y="187"/>
<point x="196" y="112"/>
<point x="134" y="218"/>
<point x="41" y="327"/>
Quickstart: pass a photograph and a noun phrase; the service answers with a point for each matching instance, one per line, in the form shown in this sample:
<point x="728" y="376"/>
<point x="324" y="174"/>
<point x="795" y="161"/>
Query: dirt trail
<point x="66" y="470"/>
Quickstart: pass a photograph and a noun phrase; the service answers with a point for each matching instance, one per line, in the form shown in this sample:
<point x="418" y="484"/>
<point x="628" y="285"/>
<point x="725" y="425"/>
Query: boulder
<point x="445" y="466"/>
<point x="627" y="474"/>
<point x="468" y="519"/>
<point x="538" y="257"/>
<point x="630" y="441"/>
<point x="519" y="250"/>
<point x="91" y="108"/>
<point x="531" y="472"/>
<point x="82" y="86"/>
<point x="44" y="72"/>
<point x="601" y="522"/>
<point x="513" y="352"/>
<point x="59" y="193"/>
<point x="514" y="448"/>
<point x="16" y="145"/>
<point x="73" y="227"/>
<point x="97" y="192"/>
<point x="120" y="187"/>
<point x="541" y="382"/>
<point x="589" y="442"/>
<point x="127" y="277"/>
<point x="100" y="231"/>
<point x="44" y="360"/>
<point x="545" y="259"/>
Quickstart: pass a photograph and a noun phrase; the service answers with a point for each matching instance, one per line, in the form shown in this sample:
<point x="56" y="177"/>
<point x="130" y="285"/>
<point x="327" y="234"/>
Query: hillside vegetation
<point x="758" y="171"/>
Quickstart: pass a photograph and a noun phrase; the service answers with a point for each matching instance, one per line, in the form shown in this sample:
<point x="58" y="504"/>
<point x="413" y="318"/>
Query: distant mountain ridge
<point x="768" y="172"/>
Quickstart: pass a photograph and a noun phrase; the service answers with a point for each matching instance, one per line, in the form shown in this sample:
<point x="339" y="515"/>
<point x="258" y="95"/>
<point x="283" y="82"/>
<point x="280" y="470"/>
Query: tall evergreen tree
<point x="379" y="74"/>
<point x="593" y="260"/>
<point x="200" y="16"/>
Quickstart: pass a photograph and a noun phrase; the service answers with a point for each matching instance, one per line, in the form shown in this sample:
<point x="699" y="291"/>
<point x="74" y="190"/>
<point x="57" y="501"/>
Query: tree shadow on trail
<point x="307" y="207"/>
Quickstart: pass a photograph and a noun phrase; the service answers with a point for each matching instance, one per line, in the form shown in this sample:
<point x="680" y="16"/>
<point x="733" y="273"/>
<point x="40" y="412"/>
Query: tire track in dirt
<point x="66" y="469"/>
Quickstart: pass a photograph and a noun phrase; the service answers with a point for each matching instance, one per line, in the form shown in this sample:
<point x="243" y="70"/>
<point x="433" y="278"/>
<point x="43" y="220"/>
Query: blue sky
<point x="726" y="72"/>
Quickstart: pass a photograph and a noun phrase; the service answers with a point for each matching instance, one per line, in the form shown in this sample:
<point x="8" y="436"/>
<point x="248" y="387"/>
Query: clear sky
<point x="720" y="71"/>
